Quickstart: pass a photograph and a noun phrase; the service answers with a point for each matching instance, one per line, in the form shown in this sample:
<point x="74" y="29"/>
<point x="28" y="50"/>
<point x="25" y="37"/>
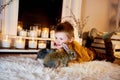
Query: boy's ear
<point x="71" y="39"/>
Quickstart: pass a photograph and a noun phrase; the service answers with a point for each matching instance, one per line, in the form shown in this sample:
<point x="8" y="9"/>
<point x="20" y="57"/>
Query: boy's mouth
<point x="57" y="44"/>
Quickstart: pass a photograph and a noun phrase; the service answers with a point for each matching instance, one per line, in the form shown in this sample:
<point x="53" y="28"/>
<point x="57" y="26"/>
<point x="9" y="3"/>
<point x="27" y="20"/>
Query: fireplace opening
<point x="39" y="12"/>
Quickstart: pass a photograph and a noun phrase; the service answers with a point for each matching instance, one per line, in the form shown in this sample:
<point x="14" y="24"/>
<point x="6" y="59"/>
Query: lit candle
<point x="19" y="28"/>
<point x="52" y="45"/>
<point x="39" y="32"/>
<point x="33" y="33"/>
<point x="32" y="43"/>
<point x="20" y="43"/>
<point x="42" y="44"/>
<point x="52" y="34"/>
<point x="45" y="33"/>
<point x="6" y="42"/>
<point x="23" y="33"/>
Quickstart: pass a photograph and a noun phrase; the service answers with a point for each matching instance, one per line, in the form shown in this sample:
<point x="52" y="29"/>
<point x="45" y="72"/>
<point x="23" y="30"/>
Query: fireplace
<point x="39" y="12"/>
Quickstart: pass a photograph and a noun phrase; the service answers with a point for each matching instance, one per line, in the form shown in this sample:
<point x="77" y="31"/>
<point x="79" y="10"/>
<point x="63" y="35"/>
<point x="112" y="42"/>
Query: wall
<point x="0" y="18"/>
<point x="10" y="17"/>
<point x="98" y="12"/>
<point x="75" y="7"/>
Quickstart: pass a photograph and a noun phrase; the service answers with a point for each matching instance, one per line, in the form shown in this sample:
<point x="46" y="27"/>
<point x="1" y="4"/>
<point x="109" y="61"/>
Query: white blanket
<point x="21" y="68"/>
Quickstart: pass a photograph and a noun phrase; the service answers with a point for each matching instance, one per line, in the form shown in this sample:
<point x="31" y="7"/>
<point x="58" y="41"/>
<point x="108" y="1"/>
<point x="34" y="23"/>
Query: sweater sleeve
<point x="83" y="54"/>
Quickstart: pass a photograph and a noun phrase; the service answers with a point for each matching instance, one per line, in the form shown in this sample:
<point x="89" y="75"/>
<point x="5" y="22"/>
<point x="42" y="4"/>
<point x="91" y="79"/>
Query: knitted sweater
<point x="83" y="54"/>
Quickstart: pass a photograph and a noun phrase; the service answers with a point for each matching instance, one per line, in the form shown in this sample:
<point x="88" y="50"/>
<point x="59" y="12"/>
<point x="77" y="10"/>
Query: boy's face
<point x="60" y="37"/>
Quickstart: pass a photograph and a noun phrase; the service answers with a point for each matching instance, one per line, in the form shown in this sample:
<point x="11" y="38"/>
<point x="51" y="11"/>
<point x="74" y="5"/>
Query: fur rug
<point x="22" y="68"/>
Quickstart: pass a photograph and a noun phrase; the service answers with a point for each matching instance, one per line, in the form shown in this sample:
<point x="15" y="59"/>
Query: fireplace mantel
<point x="10" y="14"/>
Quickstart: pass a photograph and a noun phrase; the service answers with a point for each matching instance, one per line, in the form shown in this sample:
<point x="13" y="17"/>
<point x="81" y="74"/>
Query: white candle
<point x="6" y="43"/>
<point x="23" y="33"/>
<point x="39" y="32"/>
<point x="20" y="43"/>
<point x="45" y="33"/>
<point x="42" y="44"/>
<point x="33" y="33"/>
<point x="19" y="28"/>
<point x="32" y="43"/>
<point x="52" y="34"/>
<point x="52" y="45"/>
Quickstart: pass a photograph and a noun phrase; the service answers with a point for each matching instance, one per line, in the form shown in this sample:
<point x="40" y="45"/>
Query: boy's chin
<point x="58" y="47"/>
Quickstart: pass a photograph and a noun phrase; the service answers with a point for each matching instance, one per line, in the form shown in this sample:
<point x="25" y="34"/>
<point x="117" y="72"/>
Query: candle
<point x="32" y="43"/>
<point x="52" y="45"/>
<point x="23" y="33"/>
<point x="19" y="28"/>
<point x="42" y="44"/>
<point x="20" y="43"/>
<point x="6" y="42"/>
<point x="45" y="33"/>
<point x="33" y="33"/>
<point x="39" y="32"/>
<point x="52" y="34"/>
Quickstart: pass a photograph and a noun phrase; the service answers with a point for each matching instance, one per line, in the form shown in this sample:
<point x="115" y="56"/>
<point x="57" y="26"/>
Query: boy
<point x="64" y="33"/>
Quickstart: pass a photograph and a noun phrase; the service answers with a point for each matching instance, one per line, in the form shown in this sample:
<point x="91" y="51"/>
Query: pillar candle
<point x="20" y="43"/>
<point x="33" y="33"/>
<point x="42" y="44"/>
<point x="52" y="34"/>
<point x="32" y="43"/>
<point x="45" y="33"/>
<point x="23" y="33"/>
<point x="6" y="42"/>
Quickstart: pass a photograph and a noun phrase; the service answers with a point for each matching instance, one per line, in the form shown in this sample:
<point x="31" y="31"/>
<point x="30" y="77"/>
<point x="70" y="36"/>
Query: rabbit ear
<point x="66" y="48"/>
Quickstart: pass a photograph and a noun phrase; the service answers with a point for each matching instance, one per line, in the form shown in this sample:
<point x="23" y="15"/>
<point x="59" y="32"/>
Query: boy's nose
<point x="57" y="41"/>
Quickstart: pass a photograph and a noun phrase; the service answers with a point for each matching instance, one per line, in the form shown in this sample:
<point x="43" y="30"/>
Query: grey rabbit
<point x="59" y="58"/>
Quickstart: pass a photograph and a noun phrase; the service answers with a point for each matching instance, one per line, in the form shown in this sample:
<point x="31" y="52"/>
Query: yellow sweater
<point x="84" y="54"/>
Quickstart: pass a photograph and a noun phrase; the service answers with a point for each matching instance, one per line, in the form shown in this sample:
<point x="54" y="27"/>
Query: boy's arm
<point x="83" y="53"/>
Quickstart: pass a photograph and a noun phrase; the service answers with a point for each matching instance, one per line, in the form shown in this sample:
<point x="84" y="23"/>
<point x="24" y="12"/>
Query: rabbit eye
<point x="72" y="53"/>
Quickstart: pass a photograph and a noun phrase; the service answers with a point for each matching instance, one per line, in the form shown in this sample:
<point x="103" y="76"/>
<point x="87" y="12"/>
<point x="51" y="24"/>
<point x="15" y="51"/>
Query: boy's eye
<point x="61" y="39"/>
<point x="55" y="37"/>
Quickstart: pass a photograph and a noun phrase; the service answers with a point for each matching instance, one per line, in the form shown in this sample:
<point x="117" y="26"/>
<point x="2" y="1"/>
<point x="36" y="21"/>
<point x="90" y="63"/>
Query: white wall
<point x="10" y="18"/>
<point x="0" y="18"/>
<point x="75" y="7"/>
<point x="98" y="12"/>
